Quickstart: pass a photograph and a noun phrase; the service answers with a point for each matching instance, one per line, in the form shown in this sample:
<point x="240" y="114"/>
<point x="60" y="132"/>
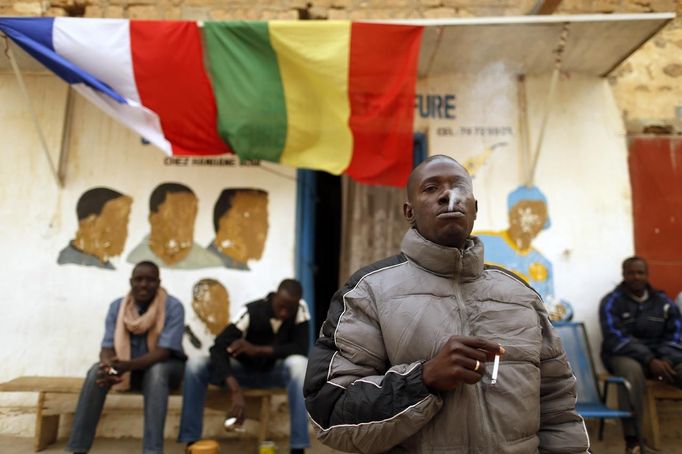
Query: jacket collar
<point x="467" y="264"/>
<point x="651" y="292"/>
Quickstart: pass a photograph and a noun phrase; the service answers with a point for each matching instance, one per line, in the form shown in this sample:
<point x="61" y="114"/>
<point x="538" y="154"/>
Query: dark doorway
<point x="318" y="235"/>
<point x="327" y="242"/>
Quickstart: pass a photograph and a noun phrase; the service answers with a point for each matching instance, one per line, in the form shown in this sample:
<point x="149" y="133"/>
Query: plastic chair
<point x="591" y="403"/>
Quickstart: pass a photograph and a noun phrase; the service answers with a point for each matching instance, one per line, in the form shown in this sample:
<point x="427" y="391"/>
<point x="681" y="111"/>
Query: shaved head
<point x="416" y="172"/>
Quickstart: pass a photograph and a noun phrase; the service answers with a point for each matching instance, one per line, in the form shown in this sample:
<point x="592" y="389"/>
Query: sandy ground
<point x="611" y="444"/>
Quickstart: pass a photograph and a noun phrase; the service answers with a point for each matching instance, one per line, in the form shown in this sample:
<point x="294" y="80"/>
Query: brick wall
<point x="648" y="86"/>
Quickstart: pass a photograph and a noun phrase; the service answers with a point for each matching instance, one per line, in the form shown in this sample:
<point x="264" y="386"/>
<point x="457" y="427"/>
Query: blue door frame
<point x="306" y="195"/>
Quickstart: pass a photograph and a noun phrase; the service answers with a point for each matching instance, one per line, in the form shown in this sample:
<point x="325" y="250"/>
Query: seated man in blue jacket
<point x="141" y="350"/>
<point x="265" y="346"/>
<point x="641" y="328"/>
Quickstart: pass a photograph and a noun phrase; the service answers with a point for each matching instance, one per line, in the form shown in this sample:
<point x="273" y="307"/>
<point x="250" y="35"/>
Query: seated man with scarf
<point x="141" y="350"/>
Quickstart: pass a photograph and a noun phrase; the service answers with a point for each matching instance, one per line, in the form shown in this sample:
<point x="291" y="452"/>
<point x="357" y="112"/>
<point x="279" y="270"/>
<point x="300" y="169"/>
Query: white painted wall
<point x="53" y="315"/>
<point x="582" y="171"/>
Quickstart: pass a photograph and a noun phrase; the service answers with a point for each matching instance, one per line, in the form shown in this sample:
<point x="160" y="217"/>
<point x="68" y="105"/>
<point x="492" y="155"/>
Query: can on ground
<point x="267" y="447"/>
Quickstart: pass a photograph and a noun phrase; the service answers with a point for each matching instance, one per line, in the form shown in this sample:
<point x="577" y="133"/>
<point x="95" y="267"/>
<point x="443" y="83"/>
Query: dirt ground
<point x="611" y="444"/>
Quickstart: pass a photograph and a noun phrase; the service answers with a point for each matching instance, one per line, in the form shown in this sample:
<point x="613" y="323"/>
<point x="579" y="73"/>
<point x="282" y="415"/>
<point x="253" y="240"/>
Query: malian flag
<point x="336" y="96"/>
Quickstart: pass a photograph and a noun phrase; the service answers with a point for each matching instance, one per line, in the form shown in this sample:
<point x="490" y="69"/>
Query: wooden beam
<point x="545" y="7"/>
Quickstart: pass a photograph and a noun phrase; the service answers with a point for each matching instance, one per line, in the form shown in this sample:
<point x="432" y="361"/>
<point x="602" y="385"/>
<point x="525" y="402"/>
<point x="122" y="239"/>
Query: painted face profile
<point x="103" y="215"/>
<point x="527" y="219"/>
<point x="211" y="303"/>
<point x="240" y="219"/>
<point x="172" y="212"/>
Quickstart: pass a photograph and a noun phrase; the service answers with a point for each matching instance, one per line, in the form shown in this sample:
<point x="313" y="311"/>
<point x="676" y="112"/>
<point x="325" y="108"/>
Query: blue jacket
<point x="642" y="331"/>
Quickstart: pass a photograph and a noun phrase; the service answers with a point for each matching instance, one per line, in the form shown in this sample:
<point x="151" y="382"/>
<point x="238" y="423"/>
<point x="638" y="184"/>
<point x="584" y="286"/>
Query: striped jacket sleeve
<point x="357" y="401"/>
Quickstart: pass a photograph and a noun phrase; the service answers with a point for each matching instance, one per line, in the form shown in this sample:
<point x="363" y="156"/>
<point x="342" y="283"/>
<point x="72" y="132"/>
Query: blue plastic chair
<point x="591" y="403"/>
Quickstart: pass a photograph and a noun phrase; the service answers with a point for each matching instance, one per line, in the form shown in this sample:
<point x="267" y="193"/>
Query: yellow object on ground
<point x="204" y="447"/>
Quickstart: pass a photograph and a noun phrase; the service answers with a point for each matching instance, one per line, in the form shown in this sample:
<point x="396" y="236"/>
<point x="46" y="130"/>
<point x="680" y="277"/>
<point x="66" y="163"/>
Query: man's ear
<point x="476" y="213"/>
<point x="408" y="212"/>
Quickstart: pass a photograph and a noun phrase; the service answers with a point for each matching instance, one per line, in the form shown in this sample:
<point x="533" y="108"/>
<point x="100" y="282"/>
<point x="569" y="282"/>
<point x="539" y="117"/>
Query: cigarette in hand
<point x="496" y="366"/>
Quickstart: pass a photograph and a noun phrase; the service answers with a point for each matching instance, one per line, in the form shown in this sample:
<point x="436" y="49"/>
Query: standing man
<point x="641" y="328"/>
<point x="141" y="349"/>
<point x="403" y="362"/>
<point x="264" y="347"/>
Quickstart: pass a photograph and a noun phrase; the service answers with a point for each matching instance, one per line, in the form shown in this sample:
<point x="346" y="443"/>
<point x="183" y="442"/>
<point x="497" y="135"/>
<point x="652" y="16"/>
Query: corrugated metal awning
<point x="596" y="44"/>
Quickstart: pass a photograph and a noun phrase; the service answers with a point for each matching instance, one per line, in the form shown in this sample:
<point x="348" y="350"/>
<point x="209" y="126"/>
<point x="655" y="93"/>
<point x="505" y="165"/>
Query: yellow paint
<point x="172" y="227"/>
<point x="527" y="218"/>
<point x="104" y="235"/>
<point x="538" y="272"/>
<point x="313" y="59"/>
<point x="211" y="303"/>
<point x="523" y="276"/>
<point x="474" y="164"/>
<point x="243" y="229"/>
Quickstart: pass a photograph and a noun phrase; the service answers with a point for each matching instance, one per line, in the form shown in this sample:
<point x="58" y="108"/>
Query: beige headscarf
<point x="129" y="321"/>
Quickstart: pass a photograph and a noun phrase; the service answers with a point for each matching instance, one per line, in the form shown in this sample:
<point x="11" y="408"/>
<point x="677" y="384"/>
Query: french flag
<point x="148" y="75"/>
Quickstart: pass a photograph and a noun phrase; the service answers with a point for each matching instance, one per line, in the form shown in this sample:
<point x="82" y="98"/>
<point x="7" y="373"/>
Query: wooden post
<point x="47" y="426"/>
<point x="264" y="417"/>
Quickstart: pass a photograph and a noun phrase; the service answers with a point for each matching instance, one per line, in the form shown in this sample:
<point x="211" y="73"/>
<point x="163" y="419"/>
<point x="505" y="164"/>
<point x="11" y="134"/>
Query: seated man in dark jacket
<point x="265" y="346"/>
<point x="641" y="328"/>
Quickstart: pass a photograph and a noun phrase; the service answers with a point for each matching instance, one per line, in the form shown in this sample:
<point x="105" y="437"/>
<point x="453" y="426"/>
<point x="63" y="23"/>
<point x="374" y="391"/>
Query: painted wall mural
<point x="211" y="303"/>
<point x="240" y="220"/>
<point x="172" y="213"/>
<point x="240" y="223"/>
<point x="512" y="248"/>
<point x="102" y="228"/>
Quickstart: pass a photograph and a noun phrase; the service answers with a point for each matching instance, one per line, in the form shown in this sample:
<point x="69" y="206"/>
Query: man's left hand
<point x="120" y="366"/>
<point x="663" y="370"/>
<point x="241" y="346"/>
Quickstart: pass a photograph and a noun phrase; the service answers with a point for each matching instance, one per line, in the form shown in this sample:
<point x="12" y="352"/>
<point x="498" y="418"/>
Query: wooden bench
<point x="58" y="396"/>
<point x="656" y="390"/>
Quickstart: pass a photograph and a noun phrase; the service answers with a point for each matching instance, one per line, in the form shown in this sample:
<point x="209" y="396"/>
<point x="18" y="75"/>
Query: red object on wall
<point x="656" y="177"/>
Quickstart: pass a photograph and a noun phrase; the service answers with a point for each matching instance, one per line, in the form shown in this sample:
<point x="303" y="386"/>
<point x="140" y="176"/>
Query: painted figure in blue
<point x="512" y="248"/>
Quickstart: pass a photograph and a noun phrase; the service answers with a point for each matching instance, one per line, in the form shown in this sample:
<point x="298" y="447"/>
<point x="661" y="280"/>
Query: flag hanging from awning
<point x="336" y="96"/>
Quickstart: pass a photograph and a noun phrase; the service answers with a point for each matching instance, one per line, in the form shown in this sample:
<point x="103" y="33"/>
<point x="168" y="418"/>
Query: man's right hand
<point x="455" y="362"/>
<point x="105" y="378"/>
<point x="238" y="402"/>
<point x="662" y="370"/>
<point x="238" y="406"/>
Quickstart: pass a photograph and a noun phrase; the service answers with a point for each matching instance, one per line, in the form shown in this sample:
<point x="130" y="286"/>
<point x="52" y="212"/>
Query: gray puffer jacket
<point x="363" y="387"/>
